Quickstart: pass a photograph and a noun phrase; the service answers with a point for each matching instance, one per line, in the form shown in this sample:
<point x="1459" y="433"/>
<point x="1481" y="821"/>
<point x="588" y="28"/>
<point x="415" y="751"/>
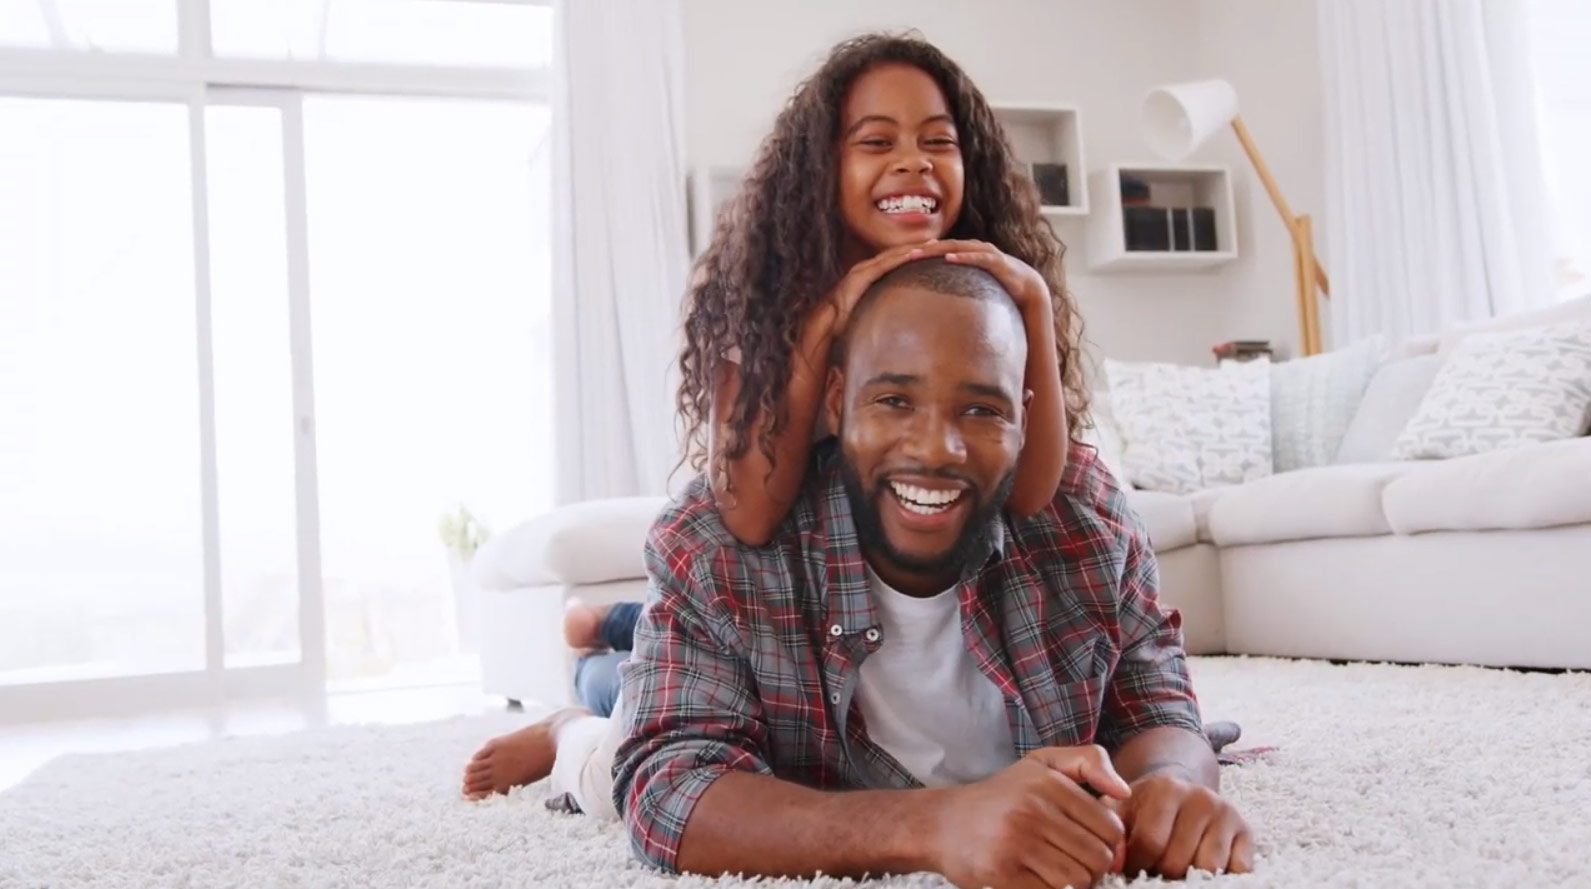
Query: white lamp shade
<point x="1178" y="118"/>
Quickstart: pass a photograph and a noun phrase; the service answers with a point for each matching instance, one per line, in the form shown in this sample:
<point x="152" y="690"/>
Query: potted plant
<point x="462" y="535"/>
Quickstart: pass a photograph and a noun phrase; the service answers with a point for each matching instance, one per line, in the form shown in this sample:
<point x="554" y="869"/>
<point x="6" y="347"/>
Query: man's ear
<point x="833" y="398"/>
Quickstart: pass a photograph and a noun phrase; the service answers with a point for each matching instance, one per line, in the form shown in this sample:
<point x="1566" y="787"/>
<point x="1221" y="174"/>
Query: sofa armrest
<point x="597" y="541"/>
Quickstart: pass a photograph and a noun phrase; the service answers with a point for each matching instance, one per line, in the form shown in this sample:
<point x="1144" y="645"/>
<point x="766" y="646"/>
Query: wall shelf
<point x="1048" y="134"/>
<point x="1170" y="186"/>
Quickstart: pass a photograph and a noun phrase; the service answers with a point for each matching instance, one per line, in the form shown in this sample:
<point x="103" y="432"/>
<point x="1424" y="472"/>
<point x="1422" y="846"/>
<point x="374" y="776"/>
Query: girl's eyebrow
<point x="870" y="118"/>
<point x="884" y="118"/>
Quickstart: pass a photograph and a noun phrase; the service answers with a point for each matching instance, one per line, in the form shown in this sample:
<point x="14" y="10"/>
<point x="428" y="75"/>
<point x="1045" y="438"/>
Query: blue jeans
<point x="597" y="675"/>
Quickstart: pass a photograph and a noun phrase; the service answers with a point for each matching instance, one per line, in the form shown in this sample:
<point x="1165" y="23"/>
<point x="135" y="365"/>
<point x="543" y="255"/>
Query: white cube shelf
<point x="1044" y="133"/>
<point x="1171" y="185"/>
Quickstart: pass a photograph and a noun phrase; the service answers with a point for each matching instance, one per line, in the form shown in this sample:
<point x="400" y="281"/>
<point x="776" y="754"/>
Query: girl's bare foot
<point x="582" y="626"/>
<point x="517" y="758"/>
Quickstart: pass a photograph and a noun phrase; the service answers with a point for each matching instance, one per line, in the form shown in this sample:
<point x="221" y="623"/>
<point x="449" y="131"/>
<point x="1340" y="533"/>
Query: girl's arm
<point x="1043" y="457"/>
<point x="751" y="501"/>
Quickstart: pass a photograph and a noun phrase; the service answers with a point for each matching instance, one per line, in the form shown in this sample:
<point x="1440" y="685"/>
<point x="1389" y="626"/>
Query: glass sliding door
<point x="273" y="300"/>
<point x="430" y="292"/>
<point x="251" y="330"/>
<point x="101" y="549"/>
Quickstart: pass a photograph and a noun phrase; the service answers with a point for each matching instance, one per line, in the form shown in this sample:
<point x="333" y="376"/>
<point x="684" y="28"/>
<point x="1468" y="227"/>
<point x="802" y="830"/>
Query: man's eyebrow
<point x="894" y="379"/>
<point x="884" y="118"/>
<point x="988" y="390"/>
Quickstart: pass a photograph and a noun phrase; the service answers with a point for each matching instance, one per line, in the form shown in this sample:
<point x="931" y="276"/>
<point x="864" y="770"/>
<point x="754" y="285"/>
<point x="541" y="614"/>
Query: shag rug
<point x="1382" y="776"/>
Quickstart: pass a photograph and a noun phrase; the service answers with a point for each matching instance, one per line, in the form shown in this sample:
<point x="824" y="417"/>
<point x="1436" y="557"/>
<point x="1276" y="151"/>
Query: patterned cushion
<point x="1188" y="428"/>
<point x="1103" y="434"/>
<point x="1503" y="390"/>
<point x="1313" y="401"/>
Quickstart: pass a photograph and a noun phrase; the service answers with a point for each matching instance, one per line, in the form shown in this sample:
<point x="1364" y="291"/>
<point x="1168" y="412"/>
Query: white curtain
<point x="619" y="244"/>
<point x="1435" y="205"/>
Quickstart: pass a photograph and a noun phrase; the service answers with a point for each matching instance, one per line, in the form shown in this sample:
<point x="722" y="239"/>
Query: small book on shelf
<point x="1243" y="350"/>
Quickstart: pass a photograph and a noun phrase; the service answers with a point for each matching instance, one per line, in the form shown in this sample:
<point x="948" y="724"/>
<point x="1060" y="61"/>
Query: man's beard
<point x="867" y="511"/>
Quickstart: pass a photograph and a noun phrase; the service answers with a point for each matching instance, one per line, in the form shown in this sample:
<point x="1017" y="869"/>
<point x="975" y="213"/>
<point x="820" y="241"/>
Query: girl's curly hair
<point x="776" y="249"/>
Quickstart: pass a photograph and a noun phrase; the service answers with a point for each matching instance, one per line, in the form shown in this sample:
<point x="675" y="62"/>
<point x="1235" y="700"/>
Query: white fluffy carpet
<point x="1385" y="776"/>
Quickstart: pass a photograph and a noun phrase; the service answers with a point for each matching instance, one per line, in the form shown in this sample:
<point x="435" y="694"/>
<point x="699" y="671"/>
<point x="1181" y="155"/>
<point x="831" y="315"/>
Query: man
<point x="904" y="642"/>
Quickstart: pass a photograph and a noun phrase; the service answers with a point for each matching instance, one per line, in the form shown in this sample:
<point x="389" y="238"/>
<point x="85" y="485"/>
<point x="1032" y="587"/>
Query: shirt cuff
<point x="659" y="824"/>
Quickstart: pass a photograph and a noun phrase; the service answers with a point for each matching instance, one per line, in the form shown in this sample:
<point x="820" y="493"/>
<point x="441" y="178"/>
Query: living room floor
<point x="25" y="747"/>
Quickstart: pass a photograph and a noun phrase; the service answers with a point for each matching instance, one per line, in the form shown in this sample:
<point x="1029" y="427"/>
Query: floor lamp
<point x="1179" y="118"/>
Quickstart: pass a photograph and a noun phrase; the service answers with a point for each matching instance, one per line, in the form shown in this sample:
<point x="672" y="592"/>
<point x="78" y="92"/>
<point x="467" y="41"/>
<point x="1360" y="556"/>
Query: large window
<point x="274" y="298"/>
<point x="101" y="555"/>
<point x="1560" y="34"/>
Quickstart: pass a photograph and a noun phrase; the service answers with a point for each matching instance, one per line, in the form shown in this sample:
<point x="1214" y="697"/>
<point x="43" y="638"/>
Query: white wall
<point x="1269" y="53"/>
<point x="744" y="57"/>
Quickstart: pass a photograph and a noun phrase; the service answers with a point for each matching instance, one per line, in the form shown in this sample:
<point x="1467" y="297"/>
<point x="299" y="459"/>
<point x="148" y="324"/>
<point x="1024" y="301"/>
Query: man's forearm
<point x="1168" y="748"/>
<point x="755" y="824"/>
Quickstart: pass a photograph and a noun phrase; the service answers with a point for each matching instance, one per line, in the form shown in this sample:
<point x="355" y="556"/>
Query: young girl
<point x="887" y="153"/>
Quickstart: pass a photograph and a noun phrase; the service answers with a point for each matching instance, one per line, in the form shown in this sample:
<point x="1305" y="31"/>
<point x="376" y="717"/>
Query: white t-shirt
<point x="923" y="697"/>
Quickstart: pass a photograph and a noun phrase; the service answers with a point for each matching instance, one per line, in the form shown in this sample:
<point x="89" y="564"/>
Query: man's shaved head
<point x="934" y="275"/>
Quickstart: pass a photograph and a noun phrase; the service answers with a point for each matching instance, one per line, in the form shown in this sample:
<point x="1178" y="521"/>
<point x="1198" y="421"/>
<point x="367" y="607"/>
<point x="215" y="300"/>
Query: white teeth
<point x="910" y="203"/>
<point x="922" y="500"/>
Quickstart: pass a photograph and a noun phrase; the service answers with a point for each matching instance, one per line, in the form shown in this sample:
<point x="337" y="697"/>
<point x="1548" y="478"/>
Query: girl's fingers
<point x="939" y="248"/>
<point x="994" y="262"/>
<point x="1017" y="278"/>
<point x="893" y="257"/>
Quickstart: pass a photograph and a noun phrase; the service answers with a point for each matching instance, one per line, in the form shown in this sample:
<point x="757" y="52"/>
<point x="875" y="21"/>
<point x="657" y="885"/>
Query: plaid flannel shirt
<point x="747" y="658"/>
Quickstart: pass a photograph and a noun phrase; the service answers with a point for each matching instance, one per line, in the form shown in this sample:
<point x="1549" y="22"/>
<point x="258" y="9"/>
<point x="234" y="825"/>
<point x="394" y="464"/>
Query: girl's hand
<point x="1021" y="280"/>
<point x="865" y="274"/>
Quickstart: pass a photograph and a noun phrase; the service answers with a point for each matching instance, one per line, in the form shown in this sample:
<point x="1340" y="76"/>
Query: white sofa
<point x="1483" y="559"/>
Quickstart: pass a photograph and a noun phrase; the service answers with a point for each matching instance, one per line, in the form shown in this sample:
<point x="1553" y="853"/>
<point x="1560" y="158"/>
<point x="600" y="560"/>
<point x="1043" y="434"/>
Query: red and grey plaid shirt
<point x="748" y="658"/>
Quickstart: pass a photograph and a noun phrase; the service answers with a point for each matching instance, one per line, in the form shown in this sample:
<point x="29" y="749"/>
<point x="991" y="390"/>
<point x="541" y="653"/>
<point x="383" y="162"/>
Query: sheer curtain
<point x="619" y="243"/>
<point x="1559" y="33"/>
<point x="1434" y="192"/>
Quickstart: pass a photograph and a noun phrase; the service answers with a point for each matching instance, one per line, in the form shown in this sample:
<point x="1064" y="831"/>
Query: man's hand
<point x="1032" y="825"/>
<point x="1174" y="824"/>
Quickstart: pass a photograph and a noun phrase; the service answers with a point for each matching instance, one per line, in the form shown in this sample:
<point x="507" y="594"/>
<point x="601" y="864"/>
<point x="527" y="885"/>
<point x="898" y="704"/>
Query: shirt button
<point x="836" y="630"/>
<point x="834" y="698"/>
<point x="873" y="634"/>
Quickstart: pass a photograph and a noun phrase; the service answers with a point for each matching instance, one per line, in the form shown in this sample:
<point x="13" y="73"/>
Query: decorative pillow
<point x="1104" y="436"/>
<point x="1389" y="402"/>
<point x="1184" y="429"/>
<point x="1503" y="390"/>
<point x="1313" y="401"/>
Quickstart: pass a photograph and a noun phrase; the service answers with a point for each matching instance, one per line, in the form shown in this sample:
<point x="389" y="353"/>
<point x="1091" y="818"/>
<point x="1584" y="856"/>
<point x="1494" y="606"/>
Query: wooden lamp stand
<point x="1177" y="119"/>
<point x="1307" y="272"/>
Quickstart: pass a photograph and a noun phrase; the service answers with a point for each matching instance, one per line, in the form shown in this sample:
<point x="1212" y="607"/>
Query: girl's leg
<point x="597" y="680"/>
<point x="618" y="626"/>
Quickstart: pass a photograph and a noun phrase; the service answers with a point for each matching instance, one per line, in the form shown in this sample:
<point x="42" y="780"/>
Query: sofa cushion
<point x="1392" y="397"/>
<point x="1313" y="401"/>
<point x="1503" y="390"/>
<point x="1201" y="502"/>
<point x="1186" y="428"/>
<point x="1538" y="486"/>
<point x="597" y="541"/>
<point x="1327" y="501"/>
<point x="1169" y="518"/>
<point x="1102" y="434"/>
